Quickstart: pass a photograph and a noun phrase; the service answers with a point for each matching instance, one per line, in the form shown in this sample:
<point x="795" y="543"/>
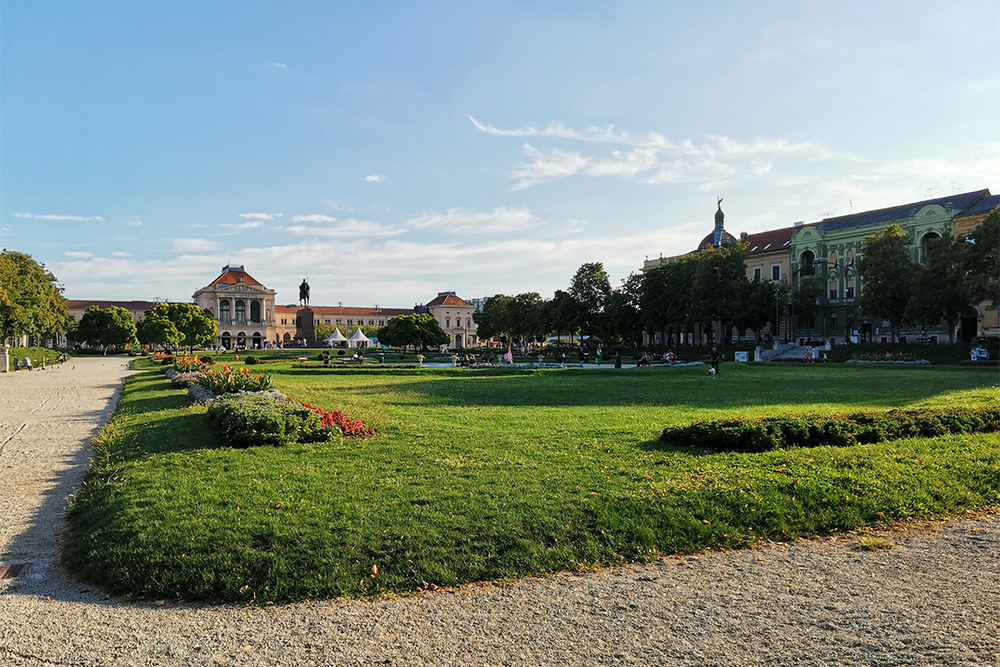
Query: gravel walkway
<point x="933" y="599"/>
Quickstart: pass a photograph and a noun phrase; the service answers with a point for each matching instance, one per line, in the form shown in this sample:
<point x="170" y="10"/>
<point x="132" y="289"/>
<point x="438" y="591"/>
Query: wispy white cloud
<point x="79" y="255"/>
<point x="344" y="228"/>
<point x="194" y="245"/>
<point x="374" y="178"/>
<point x="277" y="65"/>
<point x="250" y="224"/>
<point x="648" y="158"/>
<point x="121" y="254"/>
<point x="57" y="218"/>
<point x="316" y="217"/>
<point x="260" y="216"/>
<point x="463" y="220"/>
<point x="338" y="206"/>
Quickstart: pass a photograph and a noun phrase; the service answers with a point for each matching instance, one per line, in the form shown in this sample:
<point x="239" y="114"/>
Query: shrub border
<point x="838" y="430"/>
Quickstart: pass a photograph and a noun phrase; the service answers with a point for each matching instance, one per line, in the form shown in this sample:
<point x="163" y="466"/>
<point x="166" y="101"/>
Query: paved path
<point x="934" y="599"/>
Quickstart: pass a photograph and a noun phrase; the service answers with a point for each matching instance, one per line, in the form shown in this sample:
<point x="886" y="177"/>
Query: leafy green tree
<point x="623" y="317"/>
<point x="493" y="320"/>
<point x="561" y="313"/>
<point x="941" y="289"/>
<point x="158" y="331"/>
<point x="665" y="296"/>
<point x="807" y="298"/>
<point x="756" y="305"/>
<point x="590" y="289"/>
<point x="111" y="327"/>
<point x="417" y="329"/>
<point x="196" y="326"/>
<point x="887" y="273"/>
<point x="982" y="257"/>
<point x="30" y="301"/>
<point x="525" y="317"/>
<point x="718" y="285"/>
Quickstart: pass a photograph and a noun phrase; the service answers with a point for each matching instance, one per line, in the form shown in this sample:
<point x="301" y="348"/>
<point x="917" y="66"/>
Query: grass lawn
<point x="486" y="475"/>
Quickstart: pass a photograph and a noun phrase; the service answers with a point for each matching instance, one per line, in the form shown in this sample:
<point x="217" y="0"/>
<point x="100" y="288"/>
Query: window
<point x="757" y="270"/>
<point x="224" y="312"/>
<point x="447" y="322"/>
<point x="849" y="292"/>
<point x="350" y="323"/>
<point x="833" y="292"/>
<point x="849" y="260"/>
<point x="338" y="321"/>
<point x="807" y="263"/>
<point x="283" y="321"/>
<point x="327" y="321"/>
<point x="371" y="323"/>
<point x="776" y="272"/>
<point x="241" y="312"/>
<point x="381" y="323"/>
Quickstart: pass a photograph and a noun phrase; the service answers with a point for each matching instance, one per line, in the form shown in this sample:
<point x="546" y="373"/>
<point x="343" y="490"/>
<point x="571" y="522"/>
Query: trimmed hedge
<point x="785" y="431"/>
<point x="257" y="419"/>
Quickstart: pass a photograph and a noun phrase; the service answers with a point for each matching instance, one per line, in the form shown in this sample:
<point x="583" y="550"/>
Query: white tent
<point x="336" y="339"/>
<point x="358" y="339"/>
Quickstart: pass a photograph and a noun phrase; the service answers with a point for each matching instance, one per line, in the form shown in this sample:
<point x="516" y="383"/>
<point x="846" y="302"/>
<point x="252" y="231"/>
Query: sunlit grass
<point x="489" y="475"/>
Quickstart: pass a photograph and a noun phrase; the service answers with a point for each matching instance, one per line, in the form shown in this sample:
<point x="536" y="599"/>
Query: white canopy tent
<point x="359" y="339"/>
<point x="336" y="339"/>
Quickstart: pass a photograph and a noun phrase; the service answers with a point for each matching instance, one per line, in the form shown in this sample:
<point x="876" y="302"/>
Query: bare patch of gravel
<point x="923" y="594"/>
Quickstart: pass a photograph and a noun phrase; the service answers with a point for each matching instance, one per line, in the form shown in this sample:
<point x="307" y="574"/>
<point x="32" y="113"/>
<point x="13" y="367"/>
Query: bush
<point x="251" y="360"/>
<point x="340" y="353"/>
<point x="186" y="379"/>
<point x="228" y="380"/>
<point x="254" y="419"/>
<point x="785" y="431"/>
<point x="206" y="360"/>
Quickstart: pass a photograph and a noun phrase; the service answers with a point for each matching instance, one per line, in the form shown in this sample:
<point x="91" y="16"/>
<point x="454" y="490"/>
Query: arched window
<point x="241" y="312"/>
<point x="224" y="312"/>
<point x="833" y="258"/>
<point x="447" y="323"/>
<point x="807" y="263"/>
<point x="227" y="341"/>
<point x="255" y="311"/>
<point x="924" y="245"/>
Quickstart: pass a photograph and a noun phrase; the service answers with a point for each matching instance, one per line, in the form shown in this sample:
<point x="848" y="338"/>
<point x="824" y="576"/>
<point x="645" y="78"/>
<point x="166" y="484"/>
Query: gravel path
<point x="932" y="599"/>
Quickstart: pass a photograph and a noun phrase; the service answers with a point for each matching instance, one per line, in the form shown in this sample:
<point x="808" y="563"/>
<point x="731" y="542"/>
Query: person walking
<point x="716" y="358"/>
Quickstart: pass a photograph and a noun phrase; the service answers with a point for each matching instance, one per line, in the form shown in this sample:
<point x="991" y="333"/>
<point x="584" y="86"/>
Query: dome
<point x="727" y="239"/>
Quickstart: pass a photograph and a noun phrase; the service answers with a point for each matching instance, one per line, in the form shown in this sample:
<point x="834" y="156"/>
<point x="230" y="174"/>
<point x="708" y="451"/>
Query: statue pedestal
<point x="305" y="326"/>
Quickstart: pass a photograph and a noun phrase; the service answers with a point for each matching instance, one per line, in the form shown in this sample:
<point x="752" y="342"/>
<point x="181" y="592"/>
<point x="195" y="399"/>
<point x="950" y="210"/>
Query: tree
<point x="941" y="289"/>
<point x="665" y="296"/>
<point x="196" y="326"/>
<point x="718" y="284"/>
<point x="525" y="317"/>
<point x="30" y="301"/>
<point x="886" y="272"/>
<point x="157" y="330"/>
<point x="623" y="317"/>
<point x="982" y="257"/>
<point x="417" y="329"/>
<point x="561" y="313"/>
<point x="112" y="327"/>
<point x="590" y="289"/>
<point x="756" y="305"/>
<point x="805" y="302"/>
<point x="493" y="320"/>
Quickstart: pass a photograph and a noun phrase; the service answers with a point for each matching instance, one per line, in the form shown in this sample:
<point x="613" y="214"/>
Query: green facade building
<point x="826" y="252"/>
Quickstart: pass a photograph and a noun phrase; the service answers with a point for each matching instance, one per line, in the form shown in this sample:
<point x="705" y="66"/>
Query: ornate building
<point x="454" y="314"/>
<point x="242" y="306"/>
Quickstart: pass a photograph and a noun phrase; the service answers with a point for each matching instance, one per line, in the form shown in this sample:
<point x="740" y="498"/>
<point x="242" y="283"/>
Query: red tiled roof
<point x="231" y="276"/>
<point x="448" y="300"/>
<point x="131" y="306"/>
<point x="346" y="311"/>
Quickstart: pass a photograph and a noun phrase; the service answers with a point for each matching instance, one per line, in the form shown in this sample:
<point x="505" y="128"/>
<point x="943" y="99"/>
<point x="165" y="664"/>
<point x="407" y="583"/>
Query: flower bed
<point x="186" y="379"/>
<point x="228" y="380"/>
<point x="784" y="431"/>
<point x="249" y="419"/>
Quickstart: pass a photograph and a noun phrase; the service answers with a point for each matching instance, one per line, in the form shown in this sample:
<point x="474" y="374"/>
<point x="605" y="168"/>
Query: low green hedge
<point x="257" y="419"/>
<point x="785" y="431"/>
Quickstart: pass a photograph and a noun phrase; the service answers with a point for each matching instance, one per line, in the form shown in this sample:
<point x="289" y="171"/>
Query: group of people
<point x="980" y="354"/>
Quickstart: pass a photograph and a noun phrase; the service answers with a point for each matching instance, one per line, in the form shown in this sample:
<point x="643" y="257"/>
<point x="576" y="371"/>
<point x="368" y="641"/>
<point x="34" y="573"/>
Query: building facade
<point x="243" y="308"/>
<point x="828" y="251"/>
<point x="454" y="314"/>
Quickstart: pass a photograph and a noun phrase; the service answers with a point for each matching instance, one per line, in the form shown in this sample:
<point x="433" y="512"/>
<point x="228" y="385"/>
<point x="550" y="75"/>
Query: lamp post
<point x="777" y="323"/>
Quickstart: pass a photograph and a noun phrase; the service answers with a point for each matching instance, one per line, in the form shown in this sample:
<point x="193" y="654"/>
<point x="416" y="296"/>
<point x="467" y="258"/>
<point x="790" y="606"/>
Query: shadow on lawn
<point x="735" y="388"/>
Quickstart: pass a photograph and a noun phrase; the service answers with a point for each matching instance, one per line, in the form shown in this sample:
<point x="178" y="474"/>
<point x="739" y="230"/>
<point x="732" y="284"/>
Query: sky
<point x="389" y="151"/>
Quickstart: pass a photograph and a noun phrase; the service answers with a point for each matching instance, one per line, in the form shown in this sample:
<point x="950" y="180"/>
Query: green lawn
<point x="485" y="475"/>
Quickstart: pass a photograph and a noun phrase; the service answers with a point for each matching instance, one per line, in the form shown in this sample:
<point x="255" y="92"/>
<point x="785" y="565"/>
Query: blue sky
<point x="389" y="151"/>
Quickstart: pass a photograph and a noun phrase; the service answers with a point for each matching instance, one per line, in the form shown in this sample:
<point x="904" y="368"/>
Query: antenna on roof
<point x="955" y="187"/>
<point x="930" y="191"/>
<point x="850" y="202"/>
<point x="829" y="213"/>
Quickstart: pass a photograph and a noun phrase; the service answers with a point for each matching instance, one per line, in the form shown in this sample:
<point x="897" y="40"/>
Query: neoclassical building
<point x="242" y="306"/>
<point x="454" y="314"/>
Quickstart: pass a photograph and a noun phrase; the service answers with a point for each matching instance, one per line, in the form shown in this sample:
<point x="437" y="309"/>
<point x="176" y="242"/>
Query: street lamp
<point x="777" y="323"/>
